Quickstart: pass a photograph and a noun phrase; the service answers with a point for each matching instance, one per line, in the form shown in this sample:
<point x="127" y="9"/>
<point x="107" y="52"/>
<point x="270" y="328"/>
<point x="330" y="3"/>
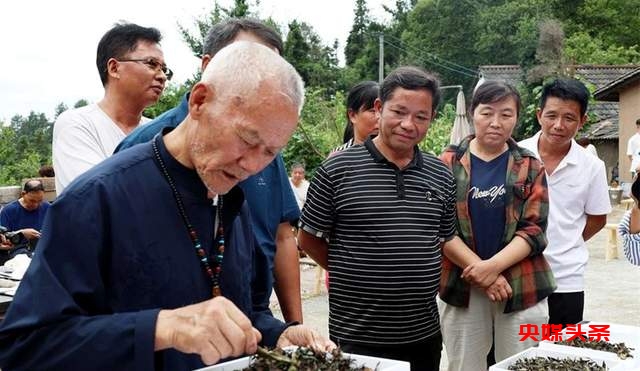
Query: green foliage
<point x="591" y="50"/>
<point x="437" y="138"/>
<point x="316" y="63"/>
<point x="81" y="103"/>
<point x="170" y="98"/>
<point x="449" y="37"/>
<point x="432" y="28"/>
<point x="240" y="8"/>
<point x="25" y="145"/>
<point x="319" y="131"/>
<point x="528" y="122"/>
<point x="508" y="33"/>
<point x="357" y="39"/>
<point x="614" y="22"/>
<point x="59" y="109"/>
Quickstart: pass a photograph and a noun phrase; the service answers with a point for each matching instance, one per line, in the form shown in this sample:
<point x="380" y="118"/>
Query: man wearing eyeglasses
<point x="133" y="72"/>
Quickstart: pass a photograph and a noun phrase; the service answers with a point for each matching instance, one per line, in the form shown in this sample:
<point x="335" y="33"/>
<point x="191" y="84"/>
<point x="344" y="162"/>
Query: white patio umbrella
<point x="461" y="127"/>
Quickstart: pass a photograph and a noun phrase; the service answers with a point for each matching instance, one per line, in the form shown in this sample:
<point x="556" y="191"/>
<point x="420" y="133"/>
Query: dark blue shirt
<point x="114" y="252"/>
<point x="487" y="203"/>
<point x="268" y="193"/>
<point x="13" y="216"/>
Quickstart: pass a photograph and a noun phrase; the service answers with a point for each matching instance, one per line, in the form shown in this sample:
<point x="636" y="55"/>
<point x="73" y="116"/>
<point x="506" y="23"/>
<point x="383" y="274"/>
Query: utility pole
<point x="380" y="57"/>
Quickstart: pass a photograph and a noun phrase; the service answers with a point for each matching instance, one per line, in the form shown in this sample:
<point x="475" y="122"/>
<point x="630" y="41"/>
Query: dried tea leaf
<point x="556" y="364"/>
<point x="301" y="359"/>
<point x="620" y="349"/>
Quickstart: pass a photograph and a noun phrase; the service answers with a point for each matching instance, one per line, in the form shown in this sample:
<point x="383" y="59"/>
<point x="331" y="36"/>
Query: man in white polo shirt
<point x="578" y="196"/>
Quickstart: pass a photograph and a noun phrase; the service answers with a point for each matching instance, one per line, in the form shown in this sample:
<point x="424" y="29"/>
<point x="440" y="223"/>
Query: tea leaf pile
<point x="556" y="364"/>
<point x="620" y="349"/>
<point x="302" y="359"/>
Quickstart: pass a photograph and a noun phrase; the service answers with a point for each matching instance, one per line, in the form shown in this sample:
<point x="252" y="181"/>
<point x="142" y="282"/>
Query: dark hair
<point x="347" y="135"/>
<point x="361" y="95"/>
<point x="297" y="165"/>
<point x="46" y="171"/>
<point x="33" y="185"/>
<point x="638" y="122"/>
<point x="411" y="78"/>
<point x="494" y="91"/>
<point x="119" y="40"/>
<point x="222" y="34"/>
<point x="635" y="188"/>
<point x="566" y="89"/>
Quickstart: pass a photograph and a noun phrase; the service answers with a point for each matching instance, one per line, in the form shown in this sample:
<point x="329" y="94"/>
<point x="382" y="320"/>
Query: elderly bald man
<point x="146" y="261"/>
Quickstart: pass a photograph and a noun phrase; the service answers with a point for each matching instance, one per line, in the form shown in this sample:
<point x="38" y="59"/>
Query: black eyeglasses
<point x="152" y="64"/>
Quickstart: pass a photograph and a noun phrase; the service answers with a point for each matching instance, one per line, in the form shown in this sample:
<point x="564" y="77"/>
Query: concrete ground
<point x="612" y="288"/>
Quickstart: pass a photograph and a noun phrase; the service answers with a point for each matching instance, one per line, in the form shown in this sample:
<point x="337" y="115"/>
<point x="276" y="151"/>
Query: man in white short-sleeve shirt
<point x="133" y="73"/>
<point x="578" y="193"/>
<point x="633" y="150"/>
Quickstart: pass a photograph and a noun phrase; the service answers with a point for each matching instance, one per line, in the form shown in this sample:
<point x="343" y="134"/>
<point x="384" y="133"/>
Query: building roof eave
<point x="611" y="91"/>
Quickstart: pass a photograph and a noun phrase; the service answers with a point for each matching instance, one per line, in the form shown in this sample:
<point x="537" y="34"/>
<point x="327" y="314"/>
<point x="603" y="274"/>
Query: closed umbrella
<point x="461" y="127"/>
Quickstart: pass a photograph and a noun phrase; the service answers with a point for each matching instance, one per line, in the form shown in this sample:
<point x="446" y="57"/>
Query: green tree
<point x="586" y="49"/>
<point x="508" y="32"/>
<point x="437" y="138"/>
<point x="319" y="131"/>
<point x="25" y="145"/>
<point x="240" y="8"/>
<point x="81" y="103"/>
<point x="59" y="109"/>
<point x="613" y="22"/>
<point x="358" y="37"/>
<point x="316" y="63"/>
<point x="446" y="43"/>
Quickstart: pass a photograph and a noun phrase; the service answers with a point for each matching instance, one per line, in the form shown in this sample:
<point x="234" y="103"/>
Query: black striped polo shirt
<point x="384" y="226"/>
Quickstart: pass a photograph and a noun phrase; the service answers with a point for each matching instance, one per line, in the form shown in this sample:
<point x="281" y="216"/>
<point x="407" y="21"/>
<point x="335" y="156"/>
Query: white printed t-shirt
<point x="577" y="187"/>
<point x="82" y="138"/>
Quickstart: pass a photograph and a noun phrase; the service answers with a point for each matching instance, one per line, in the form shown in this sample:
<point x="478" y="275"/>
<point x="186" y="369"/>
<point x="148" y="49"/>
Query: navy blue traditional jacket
<point x="114" y="252"/>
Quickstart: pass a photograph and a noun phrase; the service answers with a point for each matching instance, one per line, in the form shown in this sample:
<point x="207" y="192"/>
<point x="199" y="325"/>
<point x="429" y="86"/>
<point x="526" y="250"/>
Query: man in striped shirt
<point x="376" y="216"/>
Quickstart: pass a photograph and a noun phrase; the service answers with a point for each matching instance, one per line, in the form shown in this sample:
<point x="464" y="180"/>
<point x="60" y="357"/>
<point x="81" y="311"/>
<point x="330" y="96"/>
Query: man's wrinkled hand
<point x="302" y="335"/>
<point x="215" y="329"/>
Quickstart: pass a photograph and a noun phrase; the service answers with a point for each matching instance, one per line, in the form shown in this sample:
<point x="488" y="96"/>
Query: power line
<point x="424" y="52"/>
<point x="422" y="59"/>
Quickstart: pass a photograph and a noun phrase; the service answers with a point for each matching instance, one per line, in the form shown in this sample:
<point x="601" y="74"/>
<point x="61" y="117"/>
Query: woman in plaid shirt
<point x="494" y="276"/>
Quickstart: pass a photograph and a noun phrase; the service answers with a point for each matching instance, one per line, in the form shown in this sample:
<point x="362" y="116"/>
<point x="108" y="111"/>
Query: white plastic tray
<point x="539" y="352"/>
<point x="375" y="363"/>
<point x="630" y="335"/>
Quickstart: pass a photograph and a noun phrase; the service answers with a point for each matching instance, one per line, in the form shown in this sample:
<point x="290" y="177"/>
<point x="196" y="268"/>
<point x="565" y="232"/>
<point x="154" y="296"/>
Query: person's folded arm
<point x="532" y="223"/>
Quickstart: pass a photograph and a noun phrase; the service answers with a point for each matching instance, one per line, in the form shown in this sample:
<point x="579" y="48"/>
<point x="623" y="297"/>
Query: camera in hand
<point x="16" y="238"/>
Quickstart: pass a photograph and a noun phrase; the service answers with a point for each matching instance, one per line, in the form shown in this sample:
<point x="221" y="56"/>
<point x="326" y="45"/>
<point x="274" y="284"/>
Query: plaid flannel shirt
<point x="527" y="207"/>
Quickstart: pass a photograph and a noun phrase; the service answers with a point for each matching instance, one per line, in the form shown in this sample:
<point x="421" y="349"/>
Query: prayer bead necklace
<point x="212" y="272"/>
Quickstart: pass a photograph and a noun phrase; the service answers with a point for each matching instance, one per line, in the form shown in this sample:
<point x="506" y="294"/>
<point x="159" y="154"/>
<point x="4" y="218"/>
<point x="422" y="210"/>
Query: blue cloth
<point x="268" y="193"/>
<point x="487" y="203"/>
<point x="146" y="132"/>
<point x="13" y="216"/>
<point x="115" y="251"/>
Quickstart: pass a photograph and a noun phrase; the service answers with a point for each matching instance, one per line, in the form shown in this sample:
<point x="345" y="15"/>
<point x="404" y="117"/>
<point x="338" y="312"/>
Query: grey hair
<point x="242" y="67"/>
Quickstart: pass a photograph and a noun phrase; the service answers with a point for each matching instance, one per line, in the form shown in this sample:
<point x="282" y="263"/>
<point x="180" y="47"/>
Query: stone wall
<point x="9" y="194"/>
